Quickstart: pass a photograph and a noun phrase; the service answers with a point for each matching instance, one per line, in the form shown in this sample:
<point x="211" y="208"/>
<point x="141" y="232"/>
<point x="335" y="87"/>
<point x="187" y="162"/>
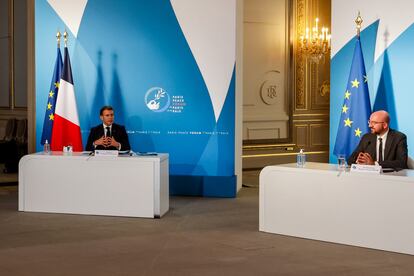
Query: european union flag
<point x="51" y="100"/>
<point x="356" y="109"/>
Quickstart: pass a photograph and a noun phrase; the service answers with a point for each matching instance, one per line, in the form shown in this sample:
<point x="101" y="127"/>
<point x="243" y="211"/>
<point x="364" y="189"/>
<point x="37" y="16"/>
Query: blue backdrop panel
<point x="134" y="56"/>
<point x="390" y="80"/>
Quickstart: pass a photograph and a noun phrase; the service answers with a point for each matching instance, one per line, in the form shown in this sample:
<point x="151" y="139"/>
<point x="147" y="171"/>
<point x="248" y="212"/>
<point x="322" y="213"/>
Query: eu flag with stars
<point x="51" y="100"/>
<point x="356" y="109"/>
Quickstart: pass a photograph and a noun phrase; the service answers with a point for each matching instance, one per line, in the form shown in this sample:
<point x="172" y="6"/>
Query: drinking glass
<point x="67" y="150"/>
<point x="341" y="162"/>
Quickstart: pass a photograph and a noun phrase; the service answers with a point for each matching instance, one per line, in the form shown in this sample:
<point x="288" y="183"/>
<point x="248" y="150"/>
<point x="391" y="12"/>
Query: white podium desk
<point x="132" y="186"/>
<point x="318" y="202"/>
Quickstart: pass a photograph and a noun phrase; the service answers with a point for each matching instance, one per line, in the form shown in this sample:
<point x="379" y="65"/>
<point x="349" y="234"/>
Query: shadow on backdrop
<point x="385" y="99"/>
<point x="99" y="98"/>
<point x="139" y="142"/>
<point x="116" y="99"/>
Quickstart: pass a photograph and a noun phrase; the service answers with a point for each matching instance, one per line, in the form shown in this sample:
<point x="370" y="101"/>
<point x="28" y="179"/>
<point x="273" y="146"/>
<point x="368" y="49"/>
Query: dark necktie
<point x="108" y="131"/>
<point x="380" y="150"/>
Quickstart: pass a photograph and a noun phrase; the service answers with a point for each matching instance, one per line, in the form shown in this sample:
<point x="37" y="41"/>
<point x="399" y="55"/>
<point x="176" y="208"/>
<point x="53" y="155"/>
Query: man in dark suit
<point x="383" y="146"/>
<point x="108" y="135"/>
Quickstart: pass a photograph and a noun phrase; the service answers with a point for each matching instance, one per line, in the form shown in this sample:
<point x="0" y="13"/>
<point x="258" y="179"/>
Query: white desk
<point x="318" y="202"/>
<point x="132" y="186"/>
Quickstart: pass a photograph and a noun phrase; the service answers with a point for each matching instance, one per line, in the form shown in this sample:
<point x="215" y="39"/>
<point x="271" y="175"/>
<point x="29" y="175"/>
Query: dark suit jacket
<point x="118" y="132"/>
<point x="395" y="153"/>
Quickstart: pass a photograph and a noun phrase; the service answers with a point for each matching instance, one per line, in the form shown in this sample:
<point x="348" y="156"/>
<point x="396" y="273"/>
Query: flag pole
<point x="52" y="96"/>
<point x="358" y="22"/>
<point x="356" y="107"/>
<point x="58" y="36"/>
<point x="65" y="36"/>
<point x="66" y="128"/>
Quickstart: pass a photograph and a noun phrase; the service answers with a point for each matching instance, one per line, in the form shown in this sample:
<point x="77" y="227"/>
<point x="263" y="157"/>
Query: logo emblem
<point x="269" y="89"/>
<point x="157" y="99"/>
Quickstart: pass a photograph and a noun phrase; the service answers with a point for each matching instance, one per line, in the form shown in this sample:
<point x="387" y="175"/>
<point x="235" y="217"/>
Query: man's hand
<point x="365" y="158"/>
<point x="106" y="142"/>
<point x="100" y="142"/>
<point x="112" y="142"/>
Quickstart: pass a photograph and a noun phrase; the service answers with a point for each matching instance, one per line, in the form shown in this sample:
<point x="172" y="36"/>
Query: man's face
<point x="107" y="117"/>
<point x="377" y="124"/>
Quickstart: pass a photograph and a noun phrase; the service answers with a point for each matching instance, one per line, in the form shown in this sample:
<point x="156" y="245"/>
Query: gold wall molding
<point x="300" y="64"/>
<point x="308" y="120"/>
<point x="325" y="89"/>
<point x="11" y="53"/>
<point x="311" y="115"/>
<point x="314" y="81"/>
<point x="283" y="154"/>
<point x="254" y="147"/>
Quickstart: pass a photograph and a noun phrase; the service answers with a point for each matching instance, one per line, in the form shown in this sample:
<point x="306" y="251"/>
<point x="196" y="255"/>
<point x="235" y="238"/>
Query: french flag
<point x="66" y="128"/>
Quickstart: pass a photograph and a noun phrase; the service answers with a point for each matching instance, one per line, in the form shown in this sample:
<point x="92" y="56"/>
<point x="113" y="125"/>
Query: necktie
<point x="380" y="158"/>
<point x="108" y="131"/>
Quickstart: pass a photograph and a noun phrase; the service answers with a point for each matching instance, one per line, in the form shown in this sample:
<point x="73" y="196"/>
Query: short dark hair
<point x="105" y="107"/>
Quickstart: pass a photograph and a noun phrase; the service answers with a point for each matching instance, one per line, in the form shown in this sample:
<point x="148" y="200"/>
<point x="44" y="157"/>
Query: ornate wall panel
<point x="312" y="80"/>
<point x="13" y="60"/>
<point x="13" y="52"/>
<point x="257" y="132"/>
<point x="319" y="134"/>
<point x="265" y="70"/>
<point x="301" y="131"/>
<point x="5" y="43"/>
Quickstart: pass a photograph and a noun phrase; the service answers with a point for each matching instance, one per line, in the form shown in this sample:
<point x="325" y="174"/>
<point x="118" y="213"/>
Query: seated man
<point x="383" y="146"/>
<point x="108" y="135"/>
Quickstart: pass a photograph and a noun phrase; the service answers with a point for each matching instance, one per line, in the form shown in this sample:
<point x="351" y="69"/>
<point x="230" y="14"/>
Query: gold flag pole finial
<point x="358" y="22"/>
<point x="65" y="36"/>
<point x="58" y="36"/>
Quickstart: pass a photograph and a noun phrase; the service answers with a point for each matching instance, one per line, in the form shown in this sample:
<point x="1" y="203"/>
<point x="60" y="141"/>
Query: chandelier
<point x="315" y="44"/>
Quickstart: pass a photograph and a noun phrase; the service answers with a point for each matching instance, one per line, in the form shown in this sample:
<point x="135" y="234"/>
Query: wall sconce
<point x="315" y="44"/>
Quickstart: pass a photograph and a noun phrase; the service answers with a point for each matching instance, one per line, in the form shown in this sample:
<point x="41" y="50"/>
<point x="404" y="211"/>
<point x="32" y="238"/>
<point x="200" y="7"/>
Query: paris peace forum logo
<point x="157" y="99"/>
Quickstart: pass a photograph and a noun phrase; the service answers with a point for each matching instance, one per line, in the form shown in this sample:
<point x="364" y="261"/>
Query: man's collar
<point x="383" y="135"/>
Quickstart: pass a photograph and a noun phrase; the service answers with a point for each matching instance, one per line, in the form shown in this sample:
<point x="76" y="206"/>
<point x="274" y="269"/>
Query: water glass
<point x="67" y="150"/>
<point x="341" y="162"/>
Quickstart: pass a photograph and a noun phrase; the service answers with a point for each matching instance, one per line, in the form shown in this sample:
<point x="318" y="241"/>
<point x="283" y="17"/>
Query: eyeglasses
<point x="374" y="122"/>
